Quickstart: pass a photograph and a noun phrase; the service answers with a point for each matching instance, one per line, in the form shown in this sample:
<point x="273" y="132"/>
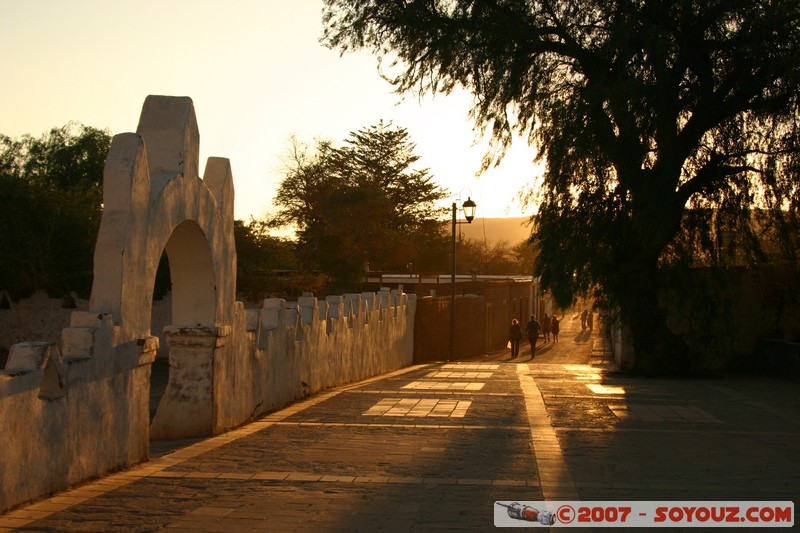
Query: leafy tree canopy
<point x="364" y="202"/>
<point x="498" y="258"/>
<point x="260" y="258"/>
<point x="51" y="192"/>
<point x="640" y="109"/>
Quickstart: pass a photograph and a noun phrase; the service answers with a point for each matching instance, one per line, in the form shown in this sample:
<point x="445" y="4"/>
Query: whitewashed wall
<point x="78" y="408"/>
<point x="75" y="410"/>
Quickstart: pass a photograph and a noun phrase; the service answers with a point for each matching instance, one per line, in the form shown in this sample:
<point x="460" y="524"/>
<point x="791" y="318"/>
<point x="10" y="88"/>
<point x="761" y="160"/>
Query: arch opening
<point x="184" y="377"/>
<point x="160" y="316"/>
<point x="192" y="275"/>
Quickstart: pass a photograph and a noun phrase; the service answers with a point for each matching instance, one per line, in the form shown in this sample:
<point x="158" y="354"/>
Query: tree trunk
<point x="658" y="350"/>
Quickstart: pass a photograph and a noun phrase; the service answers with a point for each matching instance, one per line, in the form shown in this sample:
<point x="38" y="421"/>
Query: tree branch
<point x="709" y="176"/>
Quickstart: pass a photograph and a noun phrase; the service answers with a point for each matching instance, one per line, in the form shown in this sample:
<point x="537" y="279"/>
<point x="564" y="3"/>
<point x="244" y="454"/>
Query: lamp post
<point x="469" y="214"/>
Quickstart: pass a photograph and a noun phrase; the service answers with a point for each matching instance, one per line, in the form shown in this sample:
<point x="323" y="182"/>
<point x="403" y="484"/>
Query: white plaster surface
<point x="77" y="407"/>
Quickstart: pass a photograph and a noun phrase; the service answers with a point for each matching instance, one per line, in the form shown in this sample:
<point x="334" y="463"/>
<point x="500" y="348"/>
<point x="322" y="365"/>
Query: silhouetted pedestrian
<point x="590" y="321"/>
<point x="554" y="327"/>
<point x="532" y="330"/>
<point x="546" y="327"/>
<point x="514" y="336"/>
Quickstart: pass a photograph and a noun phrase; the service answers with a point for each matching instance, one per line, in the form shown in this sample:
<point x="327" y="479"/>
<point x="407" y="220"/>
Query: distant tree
<point x="51" y="193"/>
<point x="496" y="259"/>
<point x="640" y="108"/>
<point x="259" y="259"/>
<point x="525" y="256"/>
<point x="362" y="203"/>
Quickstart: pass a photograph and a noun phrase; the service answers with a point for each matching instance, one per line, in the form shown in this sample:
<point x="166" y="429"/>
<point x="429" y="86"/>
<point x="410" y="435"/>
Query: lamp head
<point x="469" y="209"/>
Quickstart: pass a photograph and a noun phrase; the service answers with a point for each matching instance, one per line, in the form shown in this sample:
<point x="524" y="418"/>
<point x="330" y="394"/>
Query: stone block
<point x="252" y="319"/>
<point x="306" y="306"/>
<point x="28" y="356"/>
<point x="352" y="304"/>
<point x="335" y="306"/>
<point x="148" y="348"/>
<point x="148" y="344"/>
<point x="271" y="313"/>
<point x="213" y="336"/>
<point x="85" y="319"/>
<point x="398" y="297"/>
<point x="290" y="313"/>
<point x="77" y="343"/>
<point x="369" y="300"/>
<point x="385" y="298"/>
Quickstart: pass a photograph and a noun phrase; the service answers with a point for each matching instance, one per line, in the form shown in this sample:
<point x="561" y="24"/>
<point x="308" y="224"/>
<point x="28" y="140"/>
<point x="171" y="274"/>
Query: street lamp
<point x="469" y="214"/>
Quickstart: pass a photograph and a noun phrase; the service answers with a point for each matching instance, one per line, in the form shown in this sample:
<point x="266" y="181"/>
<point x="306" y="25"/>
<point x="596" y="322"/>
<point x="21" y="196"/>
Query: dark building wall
<point x="483" y="318"/>
<point x="733" y="308"/>
<point x="726" y="315"/>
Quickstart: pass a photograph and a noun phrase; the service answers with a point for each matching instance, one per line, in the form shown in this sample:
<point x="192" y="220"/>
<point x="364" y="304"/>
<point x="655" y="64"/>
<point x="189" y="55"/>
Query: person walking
<point x="590" y="321"/>
<point x="532" y="331"/>
<point x="554" y="327"/>
<point x="546" y="327"/>
<point x="514" y="336"/>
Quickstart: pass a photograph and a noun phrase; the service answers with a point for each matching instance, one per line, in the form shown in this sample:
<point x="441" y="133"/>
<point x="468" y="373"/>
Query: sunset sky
<point x="257" y="75"/>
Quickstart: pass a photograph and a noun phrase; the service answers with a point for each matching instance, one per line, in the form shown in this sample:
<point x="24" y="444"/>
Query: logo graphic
<point x="619" y="514"/>
<point x="529" y="514"/>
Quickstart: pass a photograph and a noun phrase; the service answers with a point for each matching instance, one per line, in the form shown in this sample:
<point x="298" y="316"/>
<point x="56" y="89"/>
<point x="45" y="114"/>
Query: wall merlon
<point x="401" y="299"/>
<point x="386" y="299"/>
<point x="218" y="177"/>
<point x="28" y="356"/>
<point x="352" y="306"/>
<point x="85" y="319"/>
<point x="272" y="313"/>
<point x="322" y="311"/>
<point x="172" y="138"/>
<point x="252" y="319"/>
<point x="335" y="306"/>
<point x="307" y="307"/>
<point x="291" y="317"/>
<point x="125" y="180"/>
<point x="77" y="343"/>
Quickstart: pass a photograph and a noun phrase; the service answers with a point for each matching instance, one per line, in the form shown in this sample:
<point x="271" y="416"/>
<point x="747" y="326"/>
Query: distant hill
<point x="493" y="230"/>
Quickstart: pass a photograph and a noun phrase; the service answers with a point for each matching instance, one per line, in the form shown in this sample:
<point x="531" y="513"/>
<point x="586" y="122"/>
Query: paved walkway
<point x="432" y="447"/>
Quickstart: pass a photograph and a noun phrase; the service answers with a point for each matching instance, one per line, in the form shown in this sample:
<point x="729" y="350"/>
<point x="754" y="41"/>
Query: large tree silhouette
<point x="640" y="109"/>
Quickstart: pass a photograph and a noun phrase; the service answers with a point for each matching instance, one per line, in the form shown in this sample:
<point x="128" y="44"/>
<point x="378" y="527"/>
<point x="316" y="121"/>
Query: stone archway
<point x="155" y="200"/>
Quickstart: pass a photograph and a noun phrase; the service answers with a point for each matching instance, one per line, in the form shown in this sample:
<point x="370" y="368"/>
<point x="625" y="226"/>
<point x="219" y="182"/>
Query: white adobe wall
<point x="41" y="318"/>
<point x="71" y="418"/>
<point x="302" y="348"/>
<point x="78" y="409"/>
<point x="82" y="415"/>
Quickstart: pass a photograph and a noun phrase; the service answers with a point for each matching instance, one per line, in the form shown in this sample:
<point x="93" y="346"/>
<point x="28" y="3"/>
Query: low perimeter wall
<point x="78" y="410"/>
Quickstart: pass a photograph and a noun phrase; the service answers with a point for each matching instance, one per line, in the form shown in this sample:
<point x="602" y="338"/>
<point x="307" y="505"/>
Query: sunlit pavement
<point x="432" y="447"/>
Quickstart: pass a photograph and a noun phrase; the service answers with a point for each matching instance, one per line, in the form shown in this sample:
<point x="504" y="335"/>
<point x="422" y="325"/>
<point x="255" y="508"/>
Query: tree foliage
<point x="364" y="202"/>
<point x="51" y="193"/>
<point x="261" y="260"/>
<point x="498" y="258"/>
<point x="640" y="109"/>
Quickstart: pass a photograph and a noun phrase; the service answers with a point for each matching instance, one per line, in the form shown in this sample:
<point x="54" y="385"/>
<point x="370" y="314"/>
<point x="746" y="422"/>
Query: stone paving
<point x="432" y="447"/>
